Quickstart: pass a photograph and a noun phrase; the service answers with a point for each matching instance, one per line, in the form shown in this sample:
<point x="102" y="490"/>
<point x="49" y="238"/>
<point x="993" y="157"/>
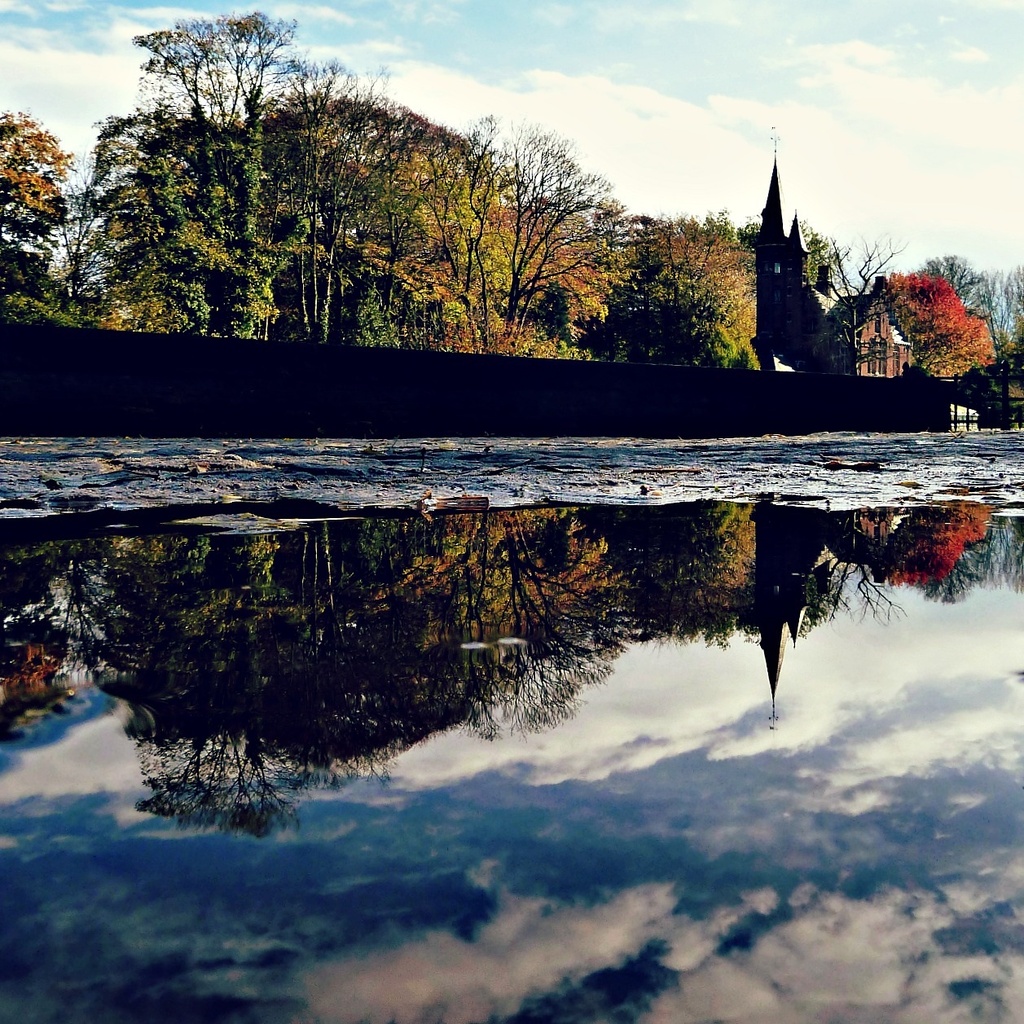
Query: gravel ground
<point x="111" y="478"/>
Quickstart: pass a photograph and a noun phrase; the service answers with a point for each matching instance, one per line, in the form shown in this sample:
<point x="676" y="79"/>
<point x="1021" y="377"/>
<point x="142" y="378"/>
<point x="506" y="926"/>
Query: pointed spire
<point x="796" y="237"/>
<point x="772" y="227"/>
<point x="795" y="621"/>
<point x="773" y="643"/>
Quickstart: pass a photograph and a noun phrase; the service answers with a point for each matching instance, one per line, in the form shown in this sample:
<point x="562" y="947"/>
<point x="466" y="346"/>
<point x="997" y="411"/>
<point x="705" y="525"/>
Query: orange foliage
<point x="935" y="550"/>
<point x="30" y="672"/>
<point x="32" y="168"/>
<point x="947" y="339"/>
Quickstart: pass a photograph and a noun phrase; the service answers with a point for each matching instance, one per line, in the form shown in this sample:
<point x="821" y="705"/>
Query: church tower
<point x="781" y="262"/>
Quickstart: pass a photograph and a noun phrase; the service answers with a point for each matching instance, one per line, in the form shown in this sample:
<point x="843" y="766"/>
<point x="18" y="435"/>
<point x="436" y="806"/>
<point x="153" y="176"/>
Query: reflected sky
<point x="672" y="851"/>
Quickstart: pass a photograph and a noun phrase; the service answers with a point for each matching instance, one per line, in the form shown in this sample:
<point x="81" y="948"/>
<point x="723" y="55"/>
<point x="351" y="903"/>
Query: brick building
<point x="817" y="327"/>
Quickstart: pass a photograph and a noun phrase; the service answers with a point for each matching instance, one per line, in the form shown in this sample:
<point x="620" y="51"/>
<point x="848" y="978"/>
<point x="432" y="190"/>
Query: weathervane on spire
<point x="775" y="141"/>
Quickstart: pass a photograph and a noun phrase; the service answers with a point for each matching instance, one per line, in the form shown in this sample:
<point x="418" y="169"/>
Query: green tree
<point x="184" y="179"/>
<point x="79" y="266"/>
<point x="685" y="295"/>
<point x="319" y="147"/>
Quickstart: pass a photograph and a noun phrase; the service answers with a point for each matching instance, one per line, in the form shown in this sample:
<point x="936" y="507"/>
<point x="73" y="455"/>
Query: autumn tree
<point x="550" y="234"/>
<point x="463" y="200"/>
<point x="184" y="179"/>
<point x="33" y="169"/>
<point x="946" y="339"/>
<point x="685" y="295"/>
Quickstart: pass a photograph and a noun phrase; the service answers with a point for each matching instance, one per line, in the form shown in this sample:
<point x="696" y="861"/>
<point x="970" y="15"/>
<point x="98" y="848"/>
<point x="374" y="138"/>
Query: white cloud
<point x="555" y="15"/>
<point x="662" y="155"/>
<point x="970" y="55"/>
<point x="529" y="947"/>
<point x="305" y="14"/>
<point x="617" y="18"/>
<point x="853" y="52"/>
<point x="45" y="79"/>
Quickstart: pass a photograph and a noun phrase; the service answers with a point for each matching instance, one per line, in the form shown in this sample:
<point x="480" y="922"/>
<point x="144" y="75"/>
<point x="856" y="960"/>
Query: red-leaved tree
<point x="946" y="339"/>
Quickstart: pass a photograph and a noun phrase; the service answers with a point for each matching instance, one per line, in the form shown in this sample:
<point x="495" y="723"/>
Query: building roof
<point x="772" y="227"/>
<point x="796" y="237"/>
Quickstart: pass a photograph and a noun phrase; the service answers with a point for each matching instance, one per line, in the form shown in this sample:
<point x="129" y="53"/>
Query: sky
<point x="893" y="119"/>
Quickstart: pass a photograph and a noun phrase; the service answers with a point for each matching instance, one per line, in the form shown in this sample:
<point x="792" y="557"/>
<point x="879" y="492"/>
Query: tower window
<point x="778" y="268"/>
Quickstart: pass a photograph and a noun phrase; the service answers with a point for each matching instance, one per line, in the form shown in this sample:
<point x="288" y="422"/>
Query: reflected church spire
<point x="791" y="555"/>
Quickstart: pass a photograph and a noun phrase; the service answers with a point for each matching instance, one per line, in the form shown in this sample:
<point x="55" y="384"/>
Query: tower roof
<point x="772" y="227"/>
<point x="773" y="642"/>
<point x="796" y="237"/>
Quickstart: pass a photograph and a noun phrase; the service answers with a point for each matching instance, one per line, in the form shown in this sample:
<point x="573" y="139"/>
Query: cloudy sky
<point x="900" y="119"/>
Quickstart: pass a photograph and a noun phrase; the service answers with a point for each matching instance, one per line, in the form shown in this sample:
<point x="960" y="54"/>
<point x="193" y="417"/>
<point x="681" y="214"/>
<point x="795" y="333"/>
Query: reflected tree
<point x="258" y="666"/>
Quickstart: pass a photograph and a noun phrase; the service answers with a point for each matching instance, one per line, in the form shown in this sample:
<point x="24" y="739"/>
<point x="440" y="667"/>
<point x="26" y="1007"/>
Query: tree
<point x="685" y="295"/>
<point x="79" y="265"/>
<point x="946" y="339"/>
<point x="1000" y="298"/>
<point x="33" y="168"/>
<point x="856" y="273"/>
<point x="463" y="200"/>
<point x="319" y="145"/>
<point x="550" y="230"/>
<point x="966" y="281"/>
<point x="184" y="179"/>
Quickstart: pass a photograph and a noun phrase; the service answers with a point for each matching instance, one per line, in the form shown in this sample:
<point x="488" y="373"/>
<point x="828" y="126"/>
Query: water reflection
<point x="258" y="666"/>
<point x="244" y="820"/>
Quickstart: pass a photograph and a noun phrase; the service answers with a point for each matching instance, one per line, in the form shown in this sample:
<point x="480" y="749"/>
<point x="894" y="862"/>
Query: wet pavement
<point x="311" y="478"/>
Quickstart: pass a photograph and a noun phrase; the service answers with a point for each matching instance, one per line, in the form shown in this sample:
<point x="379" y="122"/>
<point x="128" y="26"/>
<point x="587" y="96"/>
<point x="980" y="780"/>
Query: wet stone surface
<point x="307" y="478"/>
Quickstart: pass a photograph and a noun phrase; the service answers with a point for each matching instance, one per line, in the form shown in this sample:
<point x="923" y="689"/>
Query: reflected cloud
<point x="94" y="758"/>
<point x="876" y="958"/>
<point x="894" y="955"/>
<point x="529" y="948"/>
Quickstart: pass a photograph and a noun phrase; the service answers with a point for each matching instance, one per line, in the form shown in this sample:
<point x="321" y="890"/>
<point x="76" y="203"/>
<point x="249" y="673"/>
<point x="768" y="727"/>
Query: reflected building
<point x="794" y="564"/>
<point x="808" y="559"/>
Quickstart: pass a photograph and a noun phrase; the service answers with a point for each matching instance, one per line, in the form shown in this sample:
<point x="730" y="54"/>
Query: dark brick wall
<point x="61" y="382"/>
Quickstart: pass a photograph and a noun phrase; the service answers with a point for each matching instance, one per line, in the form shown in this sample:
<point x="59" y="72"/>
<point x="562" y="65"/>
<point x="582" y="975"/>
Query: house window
<point x="778" y="268"/>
